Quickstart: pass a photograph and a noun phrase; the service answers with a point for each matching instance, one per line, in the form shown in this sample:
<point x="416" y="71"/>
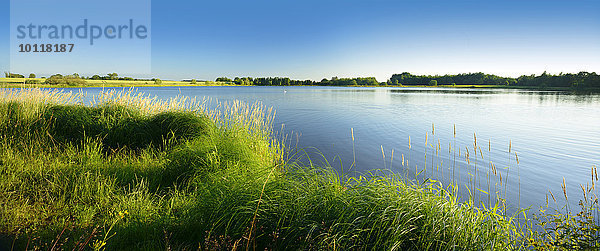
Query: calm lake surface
<point x="556" y="134"/>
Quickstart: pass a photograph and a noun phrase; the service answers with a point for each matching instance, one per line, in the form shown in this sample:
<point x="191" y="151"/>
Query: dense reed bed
<point x="129" y="171"/>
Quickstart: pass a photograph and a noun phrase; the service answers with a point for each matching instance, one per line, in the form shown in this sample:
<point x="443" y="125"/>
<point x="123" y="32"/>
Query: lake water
<point x="556" y="134"/>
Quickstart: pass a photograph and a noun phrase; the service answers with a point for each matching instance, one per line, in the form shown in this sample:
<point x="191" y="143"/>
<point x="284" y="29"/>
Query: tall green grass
<point x="128" y="171"/>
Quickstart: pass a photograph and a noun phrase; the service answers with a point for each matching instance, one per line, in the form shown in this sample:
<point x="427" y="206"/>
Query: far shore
<point x="20" y="83"/>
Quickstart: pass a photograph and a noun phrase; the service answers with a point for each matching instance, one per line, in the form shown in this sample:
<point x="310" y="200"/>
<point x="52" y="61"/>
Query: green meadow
<point x="128" y="171"/>
<point x="41" y="83"/>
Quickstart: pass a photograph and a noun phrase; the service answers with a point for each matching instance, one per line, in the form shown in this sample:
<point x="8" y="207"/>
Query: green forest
<point x="581" y="79"/>
<point x="284" y="81"/>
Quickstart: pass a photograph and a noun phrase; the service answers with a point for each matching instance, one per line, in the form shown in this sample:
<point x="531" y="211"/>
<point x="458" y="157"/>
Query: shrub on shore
<point x="70" y="80"/>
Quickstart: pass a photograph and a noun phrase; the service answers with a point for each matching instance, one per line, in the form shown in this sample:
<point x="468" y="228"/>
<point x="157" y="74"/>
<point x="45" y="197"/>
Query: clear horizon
<point x="322" y="39"/>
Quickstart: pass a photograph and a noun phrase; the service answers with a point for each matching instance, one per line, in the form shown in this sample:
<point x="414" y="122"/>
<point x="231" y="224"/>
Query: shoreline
<point x="149" y="169"/>
<point x="204" y="84"/>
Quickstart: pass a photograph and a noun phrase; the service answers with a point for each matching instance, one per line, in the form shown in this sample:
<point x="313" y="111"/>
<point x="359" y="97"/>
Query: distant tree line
<point x="109" y="76"/>
<point x="15" y="75"/>
<point x="12" y="75"/>
<point x="115" y="76"/>
<point x="284" y="81"/>
<point x="369" y="81"/>
<point x="272" y="81"/>
<point x="578" y="80"/>
<point x="57" y="79"/>
<point x="573" y="80"/>
<point x="460" y="79"/>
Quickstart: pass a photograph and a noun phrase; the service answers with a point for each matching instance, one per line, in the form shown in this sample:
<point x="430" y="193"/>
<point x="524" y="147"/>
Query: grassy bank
<point x="133" y="172"/>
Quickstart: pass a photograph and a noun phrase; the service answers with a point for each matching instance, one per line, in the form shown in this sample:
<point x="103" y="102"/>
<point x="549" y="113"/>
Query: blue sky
<point x="320" y="39"/>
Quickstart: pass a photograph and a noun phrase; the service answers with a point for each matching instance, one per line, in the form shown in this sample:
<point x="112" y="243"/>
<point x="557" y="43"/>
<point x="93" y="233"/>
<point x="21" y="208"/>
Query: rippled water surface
<point x="555" y="134"/>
